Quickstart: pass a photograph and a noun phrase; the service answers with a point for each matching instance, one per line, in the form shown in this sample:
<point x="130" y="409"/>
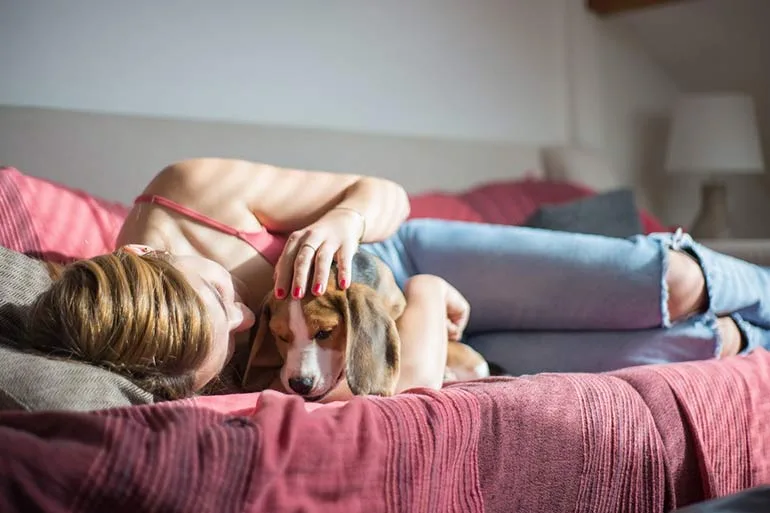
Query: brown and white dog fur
<point x="318" y="345"/>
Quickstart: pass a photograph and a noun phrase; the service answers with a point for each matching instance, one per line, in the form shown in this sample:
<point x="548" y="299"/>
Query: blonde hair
<point x="134" y="315"/>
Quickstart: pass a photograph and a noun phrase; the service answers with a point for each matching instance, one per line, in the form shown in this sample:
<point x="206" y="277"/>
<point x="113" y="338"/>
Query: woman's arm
<point x="434" y="312"/>
<point x="286" y="200"/>
<point x="326" y="214"/>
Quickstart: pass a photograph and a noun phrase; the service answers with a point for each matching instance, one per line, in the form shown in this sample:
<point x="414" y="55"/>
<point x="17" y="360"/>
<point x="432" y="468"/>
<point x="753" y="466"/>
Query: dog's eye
<point x="323" y="334"/>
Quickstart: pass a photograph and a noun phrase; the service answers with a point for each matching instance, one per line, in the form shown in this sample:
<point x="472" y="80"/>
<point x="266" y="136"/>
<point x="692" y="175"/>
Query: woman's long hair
<point x="134" y="315"/>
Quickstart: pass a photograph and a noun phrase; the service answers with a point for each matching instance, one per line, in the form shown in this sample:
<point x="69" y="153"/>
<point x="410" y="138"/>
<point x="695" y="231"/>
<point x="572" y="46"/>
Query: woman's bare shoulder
<point x="148" y="225"/>
<point x="208" y="188"/>
<point x="204" y="172"/>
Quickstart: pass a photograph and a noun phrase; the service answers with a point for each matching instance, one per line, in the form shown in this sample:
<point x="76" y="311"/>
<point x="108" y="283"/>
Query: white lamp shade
<point x="714" y="133"/>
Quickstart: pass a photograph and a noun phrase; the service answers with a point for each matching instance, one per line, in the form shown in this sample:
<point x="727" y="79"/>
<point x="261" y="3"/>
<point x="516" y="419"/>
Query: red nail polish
<point x="317" y="288"/>
<point x="280" y="293"/>
<point x="297" y="292"/>
<point x="343" y="283"/>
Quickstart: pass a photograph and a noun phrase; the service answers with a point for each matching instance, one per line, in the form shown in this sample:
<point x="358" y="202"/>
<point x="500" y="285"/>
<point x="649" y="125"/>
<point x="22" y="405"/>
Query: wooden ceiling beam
<point x="610" y="7"/>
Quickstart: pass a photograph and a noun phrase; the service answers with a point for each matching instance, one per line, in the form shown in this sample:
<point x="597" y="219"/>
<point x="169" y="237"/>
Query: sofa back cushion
<point x="52" y="221"/>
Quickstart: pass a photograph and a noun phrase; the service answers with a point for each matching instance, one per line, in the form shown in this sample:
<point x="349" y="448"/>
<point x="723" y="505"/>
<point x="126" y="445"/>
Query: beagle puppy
<point x="319" y="344"/>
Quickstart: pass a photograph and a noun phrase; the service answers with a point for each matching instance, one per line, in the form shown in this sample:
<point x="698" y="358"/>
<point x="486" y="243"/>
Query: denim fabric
<point x="547" y="300"/>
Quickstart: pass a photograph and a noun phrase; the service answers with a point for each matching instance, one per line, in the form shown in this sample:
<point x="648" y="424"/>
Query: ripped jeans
<point x="554" y="301"/>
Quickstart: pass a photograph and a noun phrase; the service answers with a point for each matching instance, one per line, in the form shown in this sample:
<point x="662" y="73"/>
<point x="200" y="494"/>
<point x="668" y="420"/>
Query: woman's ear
<point x="264" y="358"/>
<point x="373" y="344"/>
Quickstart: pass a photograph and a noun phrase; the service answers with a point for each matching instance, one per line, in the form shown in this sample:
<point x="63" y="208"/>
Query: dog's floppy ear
<point x="373" y="344"/>
<point x="264" y="360"/>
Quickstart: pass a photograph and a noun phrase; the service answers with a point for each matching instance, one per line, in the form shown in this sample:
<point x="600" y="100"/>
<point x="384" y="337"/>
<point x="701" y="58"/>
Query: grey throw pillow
<point x="34" y="382"/>
<point x="31" y="381"/>
<point x="612" y="214"/>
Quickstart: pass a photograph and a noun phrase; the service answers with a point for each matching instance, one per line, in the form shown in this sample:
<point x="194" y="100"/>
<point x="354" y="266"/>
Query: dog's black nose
<point x="302" y="385"/>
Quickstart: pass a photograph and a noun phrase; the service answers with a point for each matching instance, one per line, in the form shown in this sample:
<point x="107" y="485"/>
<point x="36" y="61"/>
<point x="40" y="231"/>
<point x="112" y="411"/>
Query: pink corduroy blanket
<point x="646" y="439"/>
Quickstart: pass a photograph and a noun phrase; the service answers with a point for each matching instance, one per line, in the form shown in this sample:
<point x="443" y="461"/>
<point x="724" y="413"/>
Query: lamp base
<point x="713" y="219"/>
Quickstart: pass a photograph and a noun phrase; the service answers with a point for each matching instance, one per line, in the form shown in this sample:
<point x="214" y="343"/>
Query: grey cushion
<point x="613" y="214"/>
<point x="31" y="381"/>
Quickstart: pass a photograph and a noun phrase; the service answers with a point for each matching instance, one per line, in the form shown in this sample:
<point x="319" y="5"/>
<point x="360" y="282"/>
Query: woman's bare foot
<point x="732" y="338"/>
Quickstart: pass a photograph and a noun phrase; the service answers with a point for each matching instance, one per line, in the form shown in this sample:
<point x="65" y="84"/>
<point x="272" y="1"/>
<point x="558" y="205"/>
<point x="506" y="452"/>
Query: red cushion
<point x="53" y="221"/>
<point x="443" y="206"/>
<point x="513" y="202"/>
<point x="509" y="202"/>
<point x="652" y="224"/>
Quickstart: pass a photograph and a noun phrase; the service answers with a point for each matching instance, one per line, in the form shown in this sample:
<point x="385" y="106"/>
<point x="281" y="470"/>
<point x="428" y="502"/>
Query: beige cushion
<point x="580" y="165"/>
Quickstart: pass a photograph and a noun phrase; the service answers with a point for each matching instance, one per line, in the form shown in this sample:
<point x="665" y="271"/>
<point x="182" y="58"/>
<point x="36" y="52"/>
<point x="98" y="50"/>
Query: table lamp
<point x="714" y="135"/>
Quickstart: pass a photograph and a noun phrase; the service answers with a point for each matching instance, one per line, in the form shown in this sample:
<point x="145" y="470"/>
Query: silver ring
<point x="308" y="245"/>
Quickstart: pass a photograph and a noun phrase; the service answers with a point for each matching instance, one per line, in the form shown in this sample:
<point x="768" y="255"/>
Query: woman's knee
<point x="686" y="286"/>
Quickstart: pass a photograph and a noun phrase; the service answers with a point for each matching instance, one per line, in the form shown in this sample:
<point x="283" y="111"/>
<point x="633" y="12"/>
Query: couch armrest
<point x="756" y="251"/>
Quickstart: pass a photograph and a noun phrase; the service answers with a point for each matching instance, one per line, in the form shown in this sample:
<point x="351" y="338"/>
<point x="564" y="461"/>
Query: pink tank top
<point x="265" y="243"/>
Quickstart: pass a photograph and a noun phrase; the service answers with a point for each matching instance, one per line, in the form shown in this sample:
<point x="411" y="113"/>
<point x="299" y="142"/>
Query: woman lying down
<point x="222" y="257"/>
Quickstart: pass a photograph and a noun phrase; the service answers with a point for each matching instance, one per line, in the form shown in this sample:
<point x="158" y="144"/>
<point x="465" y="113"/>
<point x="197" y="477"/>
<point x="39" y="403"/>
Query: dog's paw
<point x="465" y="363"/>
<point x="467" y="373"/>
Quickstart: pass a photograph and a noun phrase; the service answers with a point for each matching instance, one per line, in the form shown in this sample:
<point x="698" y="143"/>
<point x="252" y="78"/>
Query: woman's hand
<point x="334" y="237"/>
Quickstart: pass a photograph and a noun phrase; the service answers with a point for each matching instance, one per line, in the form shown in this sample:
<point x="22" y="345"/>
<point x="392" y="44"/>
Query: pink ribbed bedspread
<point x="646" y="439"/>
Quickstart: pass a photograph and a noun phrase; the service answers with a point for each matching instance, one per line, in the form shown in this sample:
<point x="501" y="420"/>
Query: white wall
<point x="488" y="69"/>
<point x="638" y="98"/>
<point x="620" y="101"/>
<point x="527" y="71"/>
